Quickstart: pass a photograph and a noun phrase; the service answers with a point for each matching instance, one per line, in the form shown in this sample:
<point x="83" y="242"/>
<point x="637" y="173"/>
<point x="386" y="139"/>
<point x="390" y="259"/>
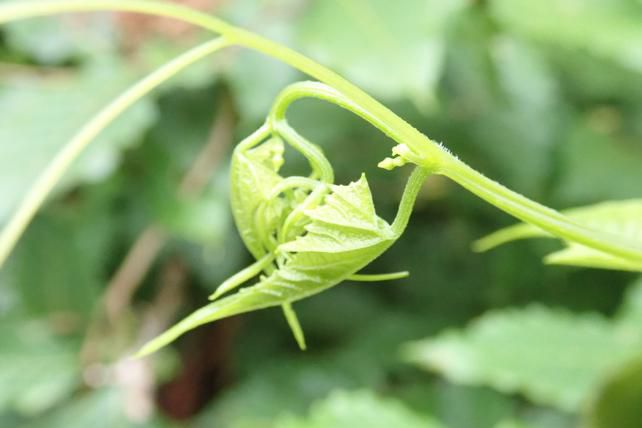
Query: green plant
<point x="311" y="208"/>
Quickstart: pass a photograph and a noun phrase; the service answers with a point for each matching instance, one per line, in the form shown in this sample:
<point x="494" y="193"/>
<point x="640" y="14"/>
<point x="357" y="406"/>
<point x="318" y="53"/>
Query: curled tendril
<point x="306" y="234"/>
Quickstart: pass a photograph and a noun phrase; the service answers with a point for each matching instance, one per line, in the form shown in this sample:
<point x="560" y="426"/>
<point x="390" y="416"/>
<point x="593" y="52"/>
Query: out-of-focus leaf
<point x="157" y="51"/>
<point x="256" y="79"/>
<point x="40" y="115"/>
<point x="202" y="221"/>
<point x="255" y="82"/>
<point x="547" y="418"/>
<point x="511" y="424"/>
<point x="357" y="409"/>
<point x="59" y="265"/>
<point x="618" y="402"/>
<point x="98" y="409"/>
<point x="630" y="314"/>
<point x="607" y="28"/>
<point x="9" y="420"/>
<point x="599" y="165"/>
<point x="389" y="50"/>
<point x="588" y="79"/>
<point x="461" y="406"/>
<point x="290" y="383"/>
<point x="529" y="99"/>
<point x="456" y="406"/>
<point x="281" y="386"/>
<point x="550" y="356"/>
<point x="620" y="218"/>
<point x="36" y="369"/>
<point x="498" y="85"/>
<point x="55" y="39"/>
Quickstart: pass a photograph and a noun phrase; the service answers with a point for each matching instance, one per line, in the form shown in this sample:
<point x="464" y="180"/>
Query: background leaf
<point x="605" y="28"/>
<point x="617" y="402"/>
<point x="37" y="369"/>
<point x="58" y="106"/>
<point x="357" y="409"/>
<point x="101" y="409"/>
<point x="550" y="356"/>
<point x="335" y="32"/>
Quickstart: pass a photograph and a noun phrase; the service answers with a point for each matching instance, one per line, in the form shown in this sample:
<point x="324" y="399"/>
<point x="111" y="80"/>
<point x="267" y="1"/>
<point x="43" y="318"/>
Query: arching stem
<point x="444" y="163"/>
<point x="293" y="182"/>
<point x="413" y="186"/>
<point x="539" y="215"/>
<point x="321" y="168"/>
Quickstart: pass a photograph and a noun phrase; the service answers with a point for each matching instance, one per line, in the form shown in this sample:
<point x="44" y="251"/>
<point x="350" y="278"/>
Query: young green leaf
<point x="619" y="218"/>
<point x="253" y="175"/>
<point x="342" y="234"/>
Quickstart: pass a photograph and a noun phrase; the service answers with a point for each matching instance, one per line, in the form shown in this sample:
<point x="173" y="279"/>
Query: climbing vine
<point x="306" y="233"/>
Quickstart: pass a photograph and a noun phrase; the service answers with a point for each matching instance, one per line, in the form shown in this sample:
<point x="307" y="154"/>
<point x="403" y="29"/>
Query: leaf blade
<point x="618" y="218"/>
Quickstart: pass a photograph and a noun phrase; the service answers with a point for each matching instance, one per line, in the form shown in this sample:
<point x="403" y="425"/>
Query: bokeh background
<point x="544" y="96"/>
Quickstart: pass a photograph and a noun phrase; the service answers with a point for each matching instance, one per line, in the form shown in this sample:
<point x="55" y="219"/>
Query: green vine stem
<point x="432" y="156"/>
<point x="539" y="215"/>
<point x="453" y="168"/>
<point x="413" y="186"/>
<point x="320" y="91"/>
<point x="321" y="168"/>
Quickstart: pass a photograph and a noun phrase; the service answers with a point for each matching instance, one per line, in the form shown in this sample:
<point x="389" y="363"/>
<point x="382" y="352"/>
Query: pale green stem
<point x="413" y="186"/>
<point x="435" y="158"/>
<point x="320" y="91"/>
<point x="293" y="182"/>
<point x="531" y="212"/>
<point x="448" y="165"/>
<point x="295" y="325"/>
<point x="508" y="234"/>
<point x="243" y="276"/>
<point x="70" y="152"/>
<point x="377" y="277"/>
<point x="321" y="167"/>
<point x="254" y="138"/>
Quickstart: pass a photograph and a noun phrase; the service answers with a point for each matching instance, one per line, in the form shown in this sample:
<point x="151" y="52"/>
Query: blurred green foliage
<point x="544" y="96"/>
<point x="574" y="353"/>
